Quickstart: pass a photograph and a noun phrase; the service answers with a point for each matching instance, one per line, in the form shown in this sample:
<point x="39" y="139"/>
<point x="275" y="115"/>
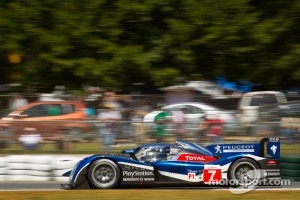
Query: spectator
<point x="178" y="118"/>
<point x="211" y="126"/>
<point x="263" y="128"/>
<point x="3" y="142"/>
<point x="108" y="118"/>
<point x="141" y="110"/>
<point x="127" y="108"/>
<point x="159" y="127"/>
<point x="62" y="139"/>
<point x="93" y="100"/>
<point x="110" y="97"/>
<point x="289" y="127"/>
<point x="140" y="129"/>
<point x="17" y="101"/>
<point x="30" y="140"/>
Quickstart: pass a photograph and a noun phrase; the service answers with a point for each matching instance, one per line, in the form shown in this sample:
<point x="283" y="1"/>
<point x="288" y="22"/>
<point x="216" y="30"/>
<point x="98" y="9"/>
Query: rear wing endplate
<point x="270" y="146"/>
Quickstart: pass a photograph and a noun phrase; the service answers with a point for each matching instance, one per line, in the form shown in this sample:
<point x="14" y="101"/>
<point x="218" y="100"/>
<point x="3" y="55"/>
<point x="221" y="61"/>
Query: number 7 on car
<point x="212" y="174"/>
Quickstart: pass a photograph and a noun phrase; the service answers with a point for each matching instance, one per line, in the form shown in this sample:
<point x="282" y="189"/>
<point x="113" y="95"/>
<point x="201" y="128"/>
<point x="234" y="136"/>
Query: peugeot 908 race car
<point x="182" y="163"/>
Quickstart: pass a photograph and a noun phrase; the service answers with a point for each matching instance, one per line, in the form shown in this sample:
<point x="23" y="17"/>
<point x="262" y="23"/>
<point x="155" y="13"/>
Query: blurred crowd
<point x="120" y="118"/>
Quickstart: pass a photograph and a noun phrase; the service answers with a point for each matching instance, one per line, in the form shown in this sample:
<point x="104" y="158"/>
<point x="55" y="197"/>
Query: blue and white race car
<point x="182" y="163"/>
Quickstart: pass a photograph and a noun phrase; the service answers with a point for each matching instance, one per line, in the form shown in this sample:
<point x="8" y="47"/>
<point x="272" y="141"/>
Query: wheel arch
<point x="101" y="158"/>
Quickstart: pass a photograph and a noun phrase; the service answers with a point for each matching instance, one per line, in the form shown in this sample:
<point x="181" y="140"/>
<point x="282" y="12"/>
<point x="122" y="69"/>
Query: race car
<point x="182" y="163"/>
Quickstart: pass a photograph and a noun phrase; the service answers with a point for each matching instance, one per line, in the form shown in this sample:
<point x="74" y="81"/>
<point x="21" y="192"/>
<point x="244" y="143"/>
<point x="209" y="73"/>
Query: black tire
<point x="290" y="172"/>
<point x="244" y="169"/>
<point x="104" y="174"/>
<point x="290" y="159"/>
<point x="290" y="166"/>
<point x="295" y="179"/>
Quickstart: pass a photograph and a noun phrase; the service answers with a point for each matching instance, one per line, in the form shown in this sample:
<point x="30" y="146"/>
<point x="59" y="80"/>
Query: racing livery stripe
<point x="257" y="158"/>
<point x="79" y="172"/>
<point x="225" y="168"/>
<point x="137" y="165"/>
<point x="193" y="177"/>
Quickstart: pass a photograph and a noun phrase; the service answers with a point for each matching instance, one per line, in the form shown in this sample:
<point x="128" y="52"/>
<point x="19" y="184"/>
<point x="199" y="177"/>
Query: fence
<point x="101" y="137"/>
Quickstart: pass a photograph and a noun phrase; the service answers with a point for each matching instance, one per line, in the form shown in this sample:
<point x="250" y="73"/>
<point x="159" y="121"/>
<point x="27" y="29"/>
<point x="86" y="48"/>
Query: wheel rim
<point x="104" y="174"/>
<point x="245" y="172"/>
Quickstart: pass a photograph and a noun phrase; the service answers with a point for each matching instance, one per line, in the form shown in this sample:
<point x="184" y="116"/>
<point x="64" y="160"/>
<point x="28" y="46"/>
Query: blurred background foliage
<point x="115" y="43"/>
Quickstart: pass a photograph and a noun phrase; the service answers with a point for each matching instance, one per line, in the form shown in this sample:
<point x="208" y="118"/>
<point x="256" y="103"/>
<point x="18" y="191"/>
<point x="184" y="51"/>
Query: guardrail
<point x="36" y="167"/>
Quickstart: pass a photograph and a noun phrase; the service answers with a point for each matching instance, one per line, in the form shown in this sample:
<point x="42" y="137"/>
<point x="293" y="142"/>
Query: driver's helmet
<point x="153" y="154"/>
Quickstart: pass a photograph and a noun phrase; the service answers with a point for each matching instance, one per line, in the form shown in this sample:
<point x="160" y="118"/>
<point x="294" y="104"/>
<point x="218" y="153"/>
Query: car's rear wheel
<point x="104" y="174"/>
<point x="244" y="172"/>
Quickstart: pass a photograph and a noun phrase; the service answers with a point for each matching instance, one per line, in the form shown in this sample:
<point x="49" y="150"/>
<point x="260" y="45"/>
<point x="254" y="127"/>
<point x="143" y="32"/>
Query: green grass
<point x="94" y="147"/>
<point x="145" y="195"/>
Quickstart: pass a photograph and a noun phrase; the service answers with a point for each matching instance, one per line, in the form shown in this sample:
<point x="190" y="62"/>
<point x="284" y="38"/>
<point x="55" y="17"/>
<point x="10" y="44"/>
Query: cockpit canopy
<point x="153" y="154"/>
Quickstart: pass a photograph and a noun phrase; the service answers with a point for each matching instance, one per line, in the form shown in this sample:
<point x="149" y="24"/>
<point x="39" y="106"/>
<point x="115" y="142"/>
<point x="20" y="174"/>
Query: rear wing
<point x="267" y="147"/>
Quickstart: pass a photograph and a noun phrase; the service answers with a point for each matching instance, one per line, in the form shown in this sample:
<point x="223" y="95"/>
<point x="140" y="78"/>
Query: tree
<point x="115" y="43"/>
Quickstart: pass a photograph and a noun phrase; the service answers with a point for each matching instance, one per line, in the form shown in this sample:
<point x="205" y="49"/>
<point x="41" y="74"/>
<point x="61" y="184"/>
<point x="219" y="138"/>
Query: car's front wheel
<point x="104" y="174"/>
<point x="244" y="172"/>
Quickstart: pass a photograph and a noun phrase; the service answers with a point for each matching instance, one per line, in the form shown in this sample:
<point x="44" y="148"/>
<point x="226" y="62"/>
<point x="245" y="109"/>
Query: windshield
<point x="201" y="147"/>
<point x="194" y="147"/>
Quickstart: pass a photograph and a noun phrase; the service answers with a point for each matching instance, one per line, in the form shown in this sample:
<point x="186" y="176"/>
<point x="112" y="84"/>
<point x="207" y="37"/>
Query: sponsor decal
<point x="134" y="174"/>
<point x="274" y="139"/>
<point x="274" y="149"/>
<point x="212" y="173"/>
<point x="131" y="179"/>
<point x="137" y="173"/>
<point x="195" y="158"/>
<point x="273" y="174"/>
<point x="218" y="149"/>
<point x="235" y="148"/>
<point x="191" y="176"/>
<point x="148" y="179"/>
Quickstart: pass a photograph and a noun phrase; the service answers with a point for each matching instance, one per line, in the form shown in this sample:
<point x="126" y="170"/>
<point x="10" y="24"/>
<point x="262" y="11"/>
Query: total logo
<point x="195" y="158"/>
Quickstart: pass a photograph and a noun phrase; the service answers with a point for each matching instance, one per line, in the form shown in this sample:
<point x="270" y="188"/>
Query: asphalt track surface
<point x="53" y="185"/>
